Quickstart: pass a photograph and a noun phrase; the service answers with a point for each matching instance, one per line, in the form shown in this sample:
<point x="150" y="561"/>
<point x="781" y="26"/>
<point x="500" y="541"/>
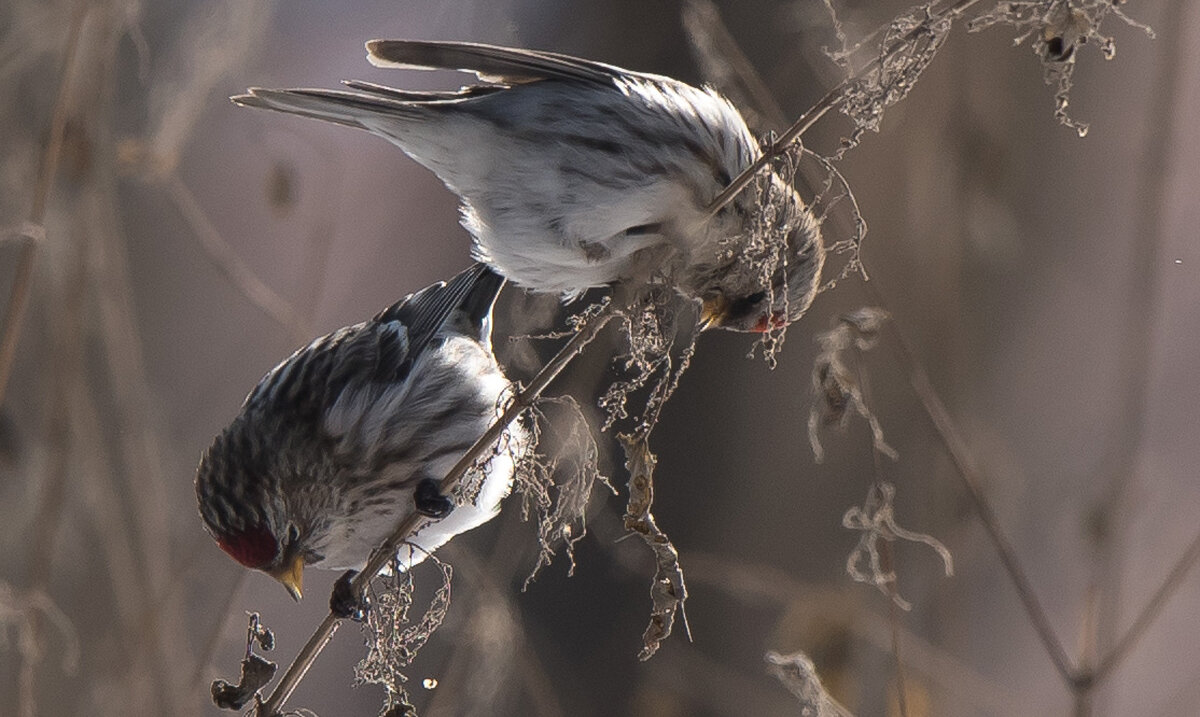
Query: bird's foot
<point x="345" y="602"/>
<point x="429" y="500"/>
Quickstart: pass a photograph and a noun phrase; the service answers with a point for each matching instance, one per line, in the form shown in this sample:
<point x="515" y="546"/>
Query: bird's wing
<point x="370" y="376"/>
<point x="389" y="344"/>
<point x="423" y="96"/>
<point x="491" y="63"/>
<point x="379" y="351"/>
<point x="424" y="313"/>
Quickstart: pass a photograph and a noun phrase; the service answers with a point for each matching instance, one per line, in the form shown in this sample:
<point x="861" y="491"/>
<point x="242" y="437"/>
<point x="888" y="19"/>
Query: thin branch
<point x="1124" y="645"/>
<point x="66" y="366"/>
<point x="490" y="575"/>
<point x="761" y="586"/>
<point x="14" y="314"/>
<point x="821" y="108"/>
<point x="725" y="66"/>
<point x="385" y="553"/>
<point x="1139" y="345"/>
<point x="231" y="265"/>
<point x="205" y="657"/>
<point x="973" y="481"/>
<point x="1143" y="307"/>
<point x="894" y="622"/>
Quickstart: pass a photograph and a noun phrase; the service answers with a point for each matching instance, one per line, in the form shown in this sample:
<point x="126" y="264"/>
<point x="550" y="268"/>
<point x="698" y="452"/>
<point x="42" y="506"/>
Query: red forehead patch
<point x="254" y="547"/>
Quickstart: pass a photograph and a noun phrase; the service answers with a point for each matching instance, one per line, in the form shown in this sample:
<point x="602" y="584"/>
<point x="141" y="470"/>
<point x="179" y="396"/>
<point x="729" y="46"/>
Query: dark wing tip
<point x="389" y="53"/>
<point x="250" y="98"/>
<point x="472" y="292"/>
<point x="481" y="297"/>
<point x="490" y="63"/>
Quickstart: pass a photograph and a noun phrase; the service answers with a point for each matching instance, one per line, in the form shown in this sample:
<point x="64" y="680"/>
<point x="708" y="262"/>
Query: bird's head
<point x="257" y="548"/>
<point x="742" y="301"/>
<point x="240" y="513"/>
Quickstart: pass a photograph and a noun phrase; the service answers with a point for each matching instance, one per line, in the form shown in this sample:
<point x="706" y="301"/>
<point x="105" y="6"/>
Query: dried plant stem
<point x="66" y="368"/>
<point x="820" y="109"/>
<point x="387" y="551"/>
<point x="1136" y="350"/>
<point x="492" y="574"/>
<point x="18" y="298"/>
<point x="886" y="554"/>
<point x="1125" y="644"/>
<point x="724" y="64"/>
<point x="668" y="591"/>
<point x="233" y="266"/>
<point x="760" y="586"/>
<point x="972" y="480"/>
<point x="205" y="656"/>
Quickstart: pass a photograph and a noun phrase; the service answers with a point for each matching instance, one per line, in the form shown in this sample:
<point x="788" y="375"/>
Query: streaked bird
<point x="353" y="432"/>
<point x="575" y="174"/>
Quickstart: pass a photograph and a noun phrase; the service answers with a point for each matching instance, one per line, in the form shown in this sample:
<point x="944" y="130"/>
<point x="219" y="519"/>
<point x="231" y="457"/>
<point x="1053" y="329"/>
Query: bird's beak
<point x="291" y="576"/>
<point x="713" y="311"/>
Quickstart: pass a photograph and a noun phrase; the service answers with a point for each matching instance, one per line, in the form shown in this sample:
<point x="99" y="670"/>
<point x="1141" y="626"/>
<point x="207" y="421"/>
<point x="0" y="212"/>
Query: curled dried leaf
<point x="838" y="391"/>
<point x="258" y="632"/>
<point x="256" y="673"/>
<point x="798" y="674"/>
<point x="876" y="521"/>
<point x="668" y="591"/>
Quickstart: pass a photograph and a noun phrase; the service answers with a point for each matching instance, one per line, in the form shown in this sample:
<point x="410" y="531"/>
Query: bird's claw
<point x="345" y="602"/>
<point x="429" y="501"/>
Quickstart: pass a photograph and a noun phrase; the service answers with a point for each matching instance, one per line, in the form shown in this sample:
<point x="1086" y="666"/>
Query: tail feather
<point x="490" y="63"/>
<point x="339" y="107"/>
<point x="424" y="96"/>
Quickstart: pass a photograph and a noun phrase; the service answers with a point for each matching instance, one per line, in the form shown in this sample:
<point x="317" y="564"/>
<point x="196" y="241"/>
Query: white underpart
<point x="460" y="368"/>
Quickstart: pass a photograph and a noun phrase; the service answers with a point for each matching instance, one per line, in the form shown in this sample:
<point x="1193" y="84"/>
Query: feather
<point x="490" y="63"/>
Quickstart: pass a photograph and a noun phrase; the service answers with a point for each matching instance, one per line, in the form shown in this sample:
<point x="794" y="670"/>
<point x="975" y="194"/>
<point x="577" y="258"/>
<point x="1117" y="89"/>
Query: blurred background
<point x="1047" y="284"/>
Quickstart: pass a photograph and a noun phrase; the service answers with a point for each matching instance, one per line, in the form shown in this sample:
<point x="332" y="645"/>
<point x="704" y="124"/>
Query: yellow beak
<point x="713" y="311"/>
<point x="291" y="576"/>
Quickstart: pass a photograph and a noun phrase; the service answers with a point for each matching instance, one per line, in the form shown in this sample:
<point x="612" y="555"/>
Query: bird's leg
<point x="429" y="500"/>
<point x="345" y="602"/>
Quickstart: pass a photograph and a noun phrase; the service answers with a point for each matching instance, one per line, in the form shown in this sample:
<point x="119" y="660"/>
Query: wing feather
<point x="491" y="63"/>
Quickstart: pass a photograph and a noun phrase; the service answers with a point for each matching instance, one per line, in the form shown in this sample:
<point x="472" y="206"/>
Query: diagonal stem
<point x="1136" y="349"/>
<point x="819" y="110"/>
<point x="1125" y="644"/>
<point x="972" y="480"/>
<point x="233" y="266"/>
<point x="14" y="314"/>
<point x="413" y="522"/>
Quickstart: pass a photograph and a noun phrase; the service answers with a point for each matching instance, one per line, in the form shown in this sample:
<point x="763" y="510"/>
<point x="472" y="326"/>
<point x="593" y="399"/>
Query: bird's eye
<point x="755" y="298"/>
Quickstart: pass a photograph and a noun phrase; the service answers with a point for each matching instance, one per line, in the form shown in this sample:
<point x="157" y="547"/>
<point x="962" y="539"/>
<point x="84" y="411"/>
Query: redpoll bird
<point x="575" y="174"/>
<point x="352" y="432"/>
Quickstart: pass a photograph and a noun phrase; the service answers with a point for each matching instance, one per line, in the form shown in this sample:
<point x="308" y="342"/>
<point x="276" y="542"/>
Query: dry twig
<point x="972" y="479"/>
<point x="34" y="232"/>
<point x="829" y="101"/>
